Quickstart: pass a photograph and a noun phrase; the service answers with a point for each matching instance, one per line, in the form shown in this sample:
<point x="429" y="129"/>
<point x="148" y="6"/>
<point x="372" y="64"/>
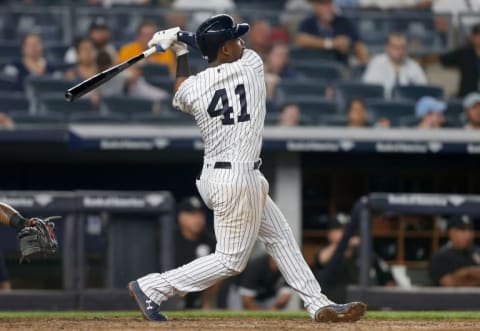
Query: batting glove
<point x="179" y="48"/>
<point x="164" y="39"/>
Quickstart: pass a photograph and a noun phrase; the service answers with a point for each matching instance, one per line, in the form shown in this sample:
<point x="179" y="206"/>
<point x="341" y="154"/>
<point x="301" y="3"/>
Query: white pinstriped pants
<point x="243" y="212"/>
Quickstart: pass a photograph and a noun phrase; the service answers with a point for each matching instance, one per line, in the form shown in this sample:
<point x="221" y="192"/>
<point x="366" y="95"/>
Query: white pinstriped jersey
<point x="228" y="103"/>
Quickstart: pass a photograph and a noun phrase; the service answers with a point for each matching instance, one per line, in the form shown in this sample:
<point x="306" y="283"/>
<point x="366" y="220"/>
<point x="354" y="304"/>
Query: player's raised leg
<point x="281" y="245"/>
<point x="238" y="206"/>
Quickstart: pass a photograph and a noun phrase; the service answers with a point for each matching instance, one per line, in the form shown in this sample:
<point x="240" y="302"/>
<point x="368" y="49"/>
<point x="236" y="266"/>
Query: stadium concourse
<point x="362" y="96"/>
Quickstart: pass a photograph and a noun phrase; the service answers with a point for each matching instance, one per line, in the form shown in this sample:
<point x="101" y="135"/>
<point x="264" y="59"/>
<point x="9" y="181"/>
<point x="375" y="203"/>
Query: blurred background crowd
<point x="356" y="63"/>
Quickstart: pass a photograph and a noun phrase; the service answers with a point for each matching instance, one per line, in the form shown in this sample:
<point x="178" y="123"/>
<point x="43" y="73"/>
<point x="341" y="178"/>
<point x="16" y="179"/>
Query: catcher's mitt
<point x="37" y="237"/>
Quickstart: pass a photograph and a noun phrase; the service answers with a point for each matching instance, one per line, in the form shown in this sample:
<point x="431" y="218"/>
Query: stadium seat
<point x="154" y="70"/>
<point x="349" y="90"/>
<point x="29" y="119"/>
<point x="6" y="83"/>
<point x="13" y="102"/>
<point x="309" y="54"/>
<point x="91" y="117"/>
<point x="163" y="82"/>
<point x="324" y="70"/>
<point x="415" y="92"/>
<point x="164" y="118"/>
<point x="9" y="51"/>
<point x="54" y="105"/>
<point x="312" y="108"/>
<point x="392" y="110"/>
<point x="333" y="120"/>
<point x="298" y="88"/>
<point x="47" y="86"/>
<point x="455" y="114"/>
<point x="126" y="105"/>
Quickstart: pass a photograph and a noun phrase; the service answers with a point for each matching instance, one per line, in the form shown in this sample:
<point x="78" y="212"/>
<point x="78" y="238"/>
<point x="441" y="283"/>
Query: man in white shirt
<point x="394" y="67"/>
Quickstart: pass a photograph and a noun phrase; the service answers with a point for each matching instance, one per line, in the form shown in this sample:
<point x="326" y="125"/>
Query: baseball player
<point x="228" y="102"/>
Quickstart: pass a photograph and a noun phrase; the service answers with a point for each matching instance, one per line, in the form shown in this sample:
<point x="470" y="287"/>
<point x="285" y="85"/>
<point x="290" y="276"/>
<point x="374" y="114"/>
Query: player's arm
<point x="248" y="303"/>
<point x="282" y="299"/>
<point x="183" y="71"/>
<point x="11" y="217"/>
<point x="467" y="276"/>
<point x="310" y="41"/>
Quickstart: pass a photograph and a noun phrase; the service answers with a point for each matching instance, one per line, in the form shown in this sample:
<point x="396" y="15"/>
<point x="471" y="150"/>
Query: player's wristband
<point x="327" y="43"/>
<point x="17" y="221"/>
<point x="183" y="69"/>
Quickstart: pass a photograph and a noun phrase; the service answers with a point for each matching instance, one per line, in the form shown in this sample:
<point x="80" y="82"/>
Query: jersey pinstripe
<point x="238" y="142"/>
<point x="243" y="211"/>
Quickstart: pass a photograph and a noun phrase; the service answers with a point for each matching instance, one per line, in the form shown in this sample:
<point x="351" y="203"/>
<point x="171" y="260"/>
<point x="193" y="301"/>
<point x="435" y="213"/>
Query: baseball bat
<point x="93" y="82"/>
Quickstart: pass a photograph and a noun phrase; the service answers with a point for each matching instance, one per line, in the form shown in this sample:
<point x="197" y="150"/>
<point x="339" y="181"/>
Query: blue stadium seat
<point x="13" y="102"/>
<point x="58" y="106"/>
<point x="333" y="120"/>
<point x="29" y="119"/>
<point x="164" y="82"/>
<point x="348" y="90"/>
<point x="392" y="110"/>
<point x="324" y="70"/>
<point x="95" y="117"/>
<point x="309" y="55"/>
<point x="415" y="92"/>
<point x="298" y="88"/>
<point x="164" y="118"/>
<point x="154" y="70"/>
<point x="47" y="86"/>
<point x="312" y="108"/>
<point x="7" y="84"/>
<point x="127" y="105"/>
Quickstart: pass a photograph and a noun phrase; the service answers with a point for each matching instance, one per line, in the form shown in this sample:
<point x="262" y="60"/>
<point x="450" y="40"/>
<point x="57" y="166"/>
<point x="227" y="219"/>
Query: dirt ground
<point x="231" y="324"/>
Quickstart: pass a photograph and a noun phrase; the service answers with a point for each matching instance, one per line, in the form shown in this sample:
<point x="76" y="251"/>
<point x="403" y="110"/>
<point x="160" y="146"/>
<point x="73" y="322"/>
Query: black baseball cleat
<point x="348" y="312"/>
<point x="150" y="309"/>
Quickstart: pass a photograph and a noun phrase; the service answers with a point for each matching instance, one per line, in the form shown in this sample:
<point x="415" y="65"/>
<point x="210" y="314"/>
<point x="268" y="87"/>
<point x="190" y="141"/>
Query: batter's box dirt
<point x="229" y="324"/>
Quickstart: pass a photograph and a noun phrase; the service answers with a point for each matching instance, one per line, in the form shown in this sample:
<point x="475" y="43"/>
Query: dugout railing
<point x="426" y="298"/>
<point x="125" y="251"/>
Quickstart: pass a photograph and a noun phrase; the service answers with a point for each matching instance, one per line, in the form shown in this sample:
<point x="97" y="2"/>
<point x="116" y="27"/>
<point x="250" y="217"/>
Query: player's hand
<point x="341" y="44"/>
<point x="164" y="39"/>
<point x="179" y="48"/>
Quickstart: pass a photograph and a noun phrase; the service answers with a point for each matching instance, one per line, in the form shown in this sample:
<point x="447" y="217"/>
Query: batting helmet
<point x="215" y="31"/>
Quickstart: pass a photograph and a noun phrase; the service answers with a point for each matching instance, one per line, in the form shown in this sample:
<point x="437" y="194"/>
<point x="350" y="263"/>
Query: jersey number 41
<point x="225" y="109"/>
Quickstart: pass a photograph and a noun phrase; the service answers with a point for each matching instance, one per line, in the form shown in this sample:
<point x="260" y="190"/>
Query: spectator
<point x="201" y="10"/>
<point x="131" y="83"/>
<point x="277" y="68"/>
<point x="145" y="32"/>
<point x="32" y="63"/>
<point x="100" y="35"/>
<point x="471" y="105"/>
<point x="110" y="3"/>
<point x="454" y="9"/>
<point x="466" y="59"/>
<point x="4" y="282"/>
<point x="330" y="32"/>
<point x="6" y="122"/>
<point x="117" y="86"/>
<point x="86" y="65"/>
<point x="261" y="285"/>
<point x="192" y="241"/>
<point x="457" y="263"/>
<point x="396" y="4"/>
<point x="289" y="115"/>
<point x="277" y="62"/>
<point x="346" y="273"/>
<point x="394" y="67"/>
<point x="259" y="38"/>
<point x="429" y="112"/>
<point x="357" y="113"/>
